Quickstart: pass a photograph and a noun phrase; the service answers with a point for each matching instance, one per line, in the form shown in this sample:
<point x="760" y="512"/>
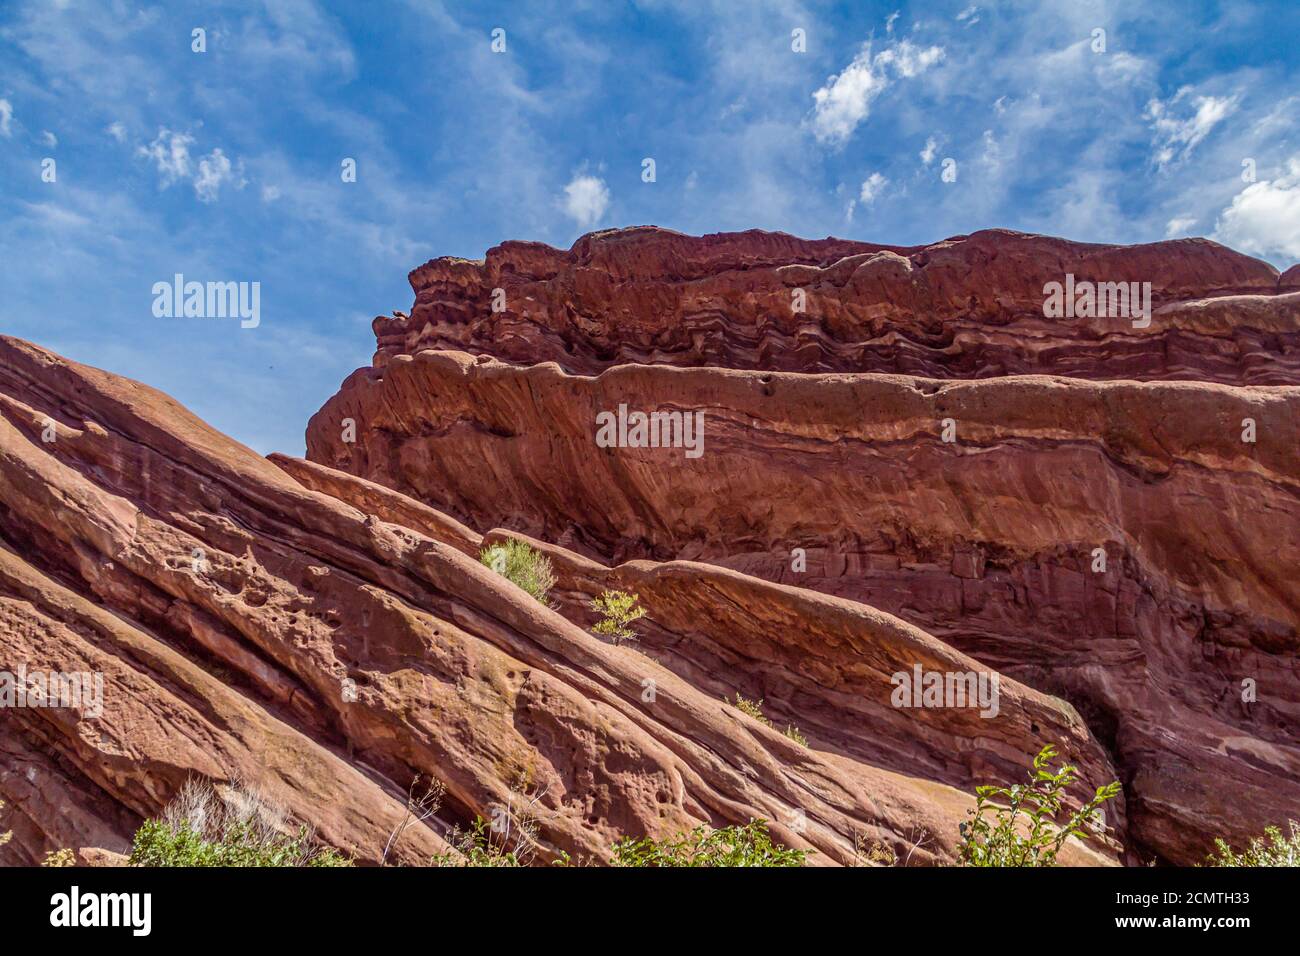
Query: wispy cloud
<point x="1176" y="136"/>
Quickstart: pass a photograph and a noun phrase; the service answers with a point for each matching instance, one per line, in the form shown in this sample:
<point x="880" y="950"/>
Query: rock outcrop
<point x="870" y="462"/>
<point x="968" y="307"/>
<point x="1103" y="510"/>
<point x="329" y="640"/>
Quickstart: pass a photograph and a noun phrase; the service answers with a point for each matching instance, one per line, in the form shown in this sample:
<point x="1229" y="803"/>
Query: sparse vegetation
<point x="751" y="708"/>
<point x="56" y="858"/>
<point x="882" y="854"/>
<point x="510" y="840"/>
<point x="617" y="610"/>
<point x="7" y="835"/>
<point x="754" y="708"/>
<point x="1024" y="832"/>
<point x="1274" y="848"/>
<point x="199" y="828"/>
<point x="877" y="852"/>
<point x="419" y="807"/>
<point x="793" y="733"/>
<point x="748" y="845"/>
<point x="477" y="846"/>
<point x="522" y="565"/>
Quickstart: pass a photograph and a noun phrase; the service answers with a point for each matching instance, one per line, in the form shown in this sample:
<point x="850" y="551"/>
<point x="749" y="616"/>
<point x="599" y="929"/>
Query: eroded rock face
<point x="328" y="639"/>
<point x="968" y="307"/>
<point x="1120" y="534"/>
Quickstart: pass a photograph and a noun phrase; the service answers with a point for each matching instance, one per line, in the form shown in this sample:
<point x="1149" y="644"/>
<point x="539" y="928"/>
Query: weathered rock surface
<point x="1181" y="653"/>
<point x="967" y="307"/>
<point x="231" y="603"/>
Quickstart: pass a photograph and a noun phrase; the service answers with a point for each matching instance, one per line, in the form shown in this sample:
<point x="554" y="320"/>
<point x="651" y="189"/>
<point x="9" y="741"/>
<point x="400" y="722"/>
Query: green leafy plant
<point x="1024" y="832"/>
<point x="748" y="845"/>
<point x="617" y="610"/>
<point x="199" y="828"/>
<point x="522" y="565"/>
<point x="1274" y="848"/>
<point x="57" y="858"/>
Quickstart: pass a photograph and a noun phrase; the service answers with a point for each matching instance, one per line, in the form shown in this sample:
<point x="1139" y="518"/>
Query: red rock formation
<point x="987" y="541"/>
<point x="968" y="307"/>
<point x="230" y="602"/>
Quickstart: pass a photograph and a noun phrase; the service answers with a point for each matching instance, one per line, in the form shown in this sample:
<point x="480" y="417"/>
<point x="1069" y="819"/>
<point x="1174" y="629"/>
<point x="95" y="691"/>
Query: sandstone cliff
<point x="1106" y="512"/>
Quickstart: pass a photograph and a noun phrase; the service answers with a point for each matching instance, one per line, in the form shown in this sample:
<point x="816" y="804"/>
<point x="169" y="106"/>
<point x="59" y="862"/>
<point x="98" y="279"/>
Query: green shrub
<point x="524" y="566"/>
<point x="1273" y="849"/>
<point x="1034" y="808"/>
<point x="57" y="858"/>
<point x="748" y="845"/>
<point x="793" y="733"/>
<point x="617" y="610"/>
<point x="198" y="828"/>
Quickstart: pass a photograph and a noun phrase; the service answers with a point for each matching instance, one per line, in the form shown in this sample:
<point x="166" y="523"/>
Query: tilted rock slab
<point x="328" y="641"/>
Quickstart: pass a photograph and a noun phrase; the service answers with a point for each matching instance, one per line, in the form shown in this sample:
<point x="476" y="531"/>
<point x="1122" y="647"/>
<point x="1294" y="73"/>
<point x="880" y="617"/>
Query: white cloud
<point x="171" y="153"/>
<point x="117" y="131"/>
<point x="970" y="16"/>
<point x="6" y="117"/>
<point x="49" y="139"/>
<point x="1265" y="216"/>
<point x="1179" y="226"/>
<point x="270" y="193"/>
<point x="992" y="154"/>
<point x="927" y="154"/>
<point x="871" y="187"/>
<point x="214" y="169"/>
<point x="1177" y="137"/>
<point x="585" y="199"/>
<point x="845" y="101"/>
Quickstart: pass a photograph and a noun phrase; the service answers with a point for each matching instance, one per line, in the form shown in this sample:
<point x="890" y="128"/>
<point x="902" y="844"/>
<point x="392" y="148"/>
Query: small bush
<point x="198" y="828"/>
<point x="617" y="610"/>
<point x="748" y="845"/>
<point x="792" y="732"/>
<point x="1272" y="849"/>
<point x="877" y="852"/>
<point x="1036" y="806"/>
<point x="524" y="566"/>
<point x="754" y="708"/>
<point x="58" y="858"/>
<point x="751" y="708"/>
<point x="476" y="847"/>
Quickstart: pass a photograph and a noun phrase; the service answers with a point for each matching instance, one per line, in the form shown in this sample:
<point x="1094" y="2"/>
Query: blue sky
<point x="226" y="165"/>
